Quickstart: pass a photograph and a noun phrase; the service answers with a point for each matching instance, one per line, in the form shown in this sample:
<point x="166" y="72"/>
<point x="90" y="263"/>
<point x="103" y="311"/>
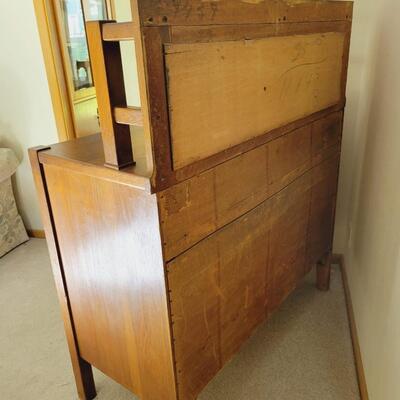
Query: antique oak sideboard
<point x="184" y="224"/>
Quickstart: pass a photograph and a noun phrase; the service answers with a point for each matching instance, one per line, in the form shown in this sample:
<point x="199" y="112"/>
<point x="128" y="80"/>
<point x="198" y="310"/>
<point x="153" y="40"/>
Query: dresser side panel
<point x="111" y="253"/>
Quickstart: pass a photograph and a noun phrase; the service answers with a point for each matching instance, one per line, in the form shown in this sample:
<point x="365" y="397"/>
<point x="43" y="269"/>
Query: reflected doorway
<point x="70" y="18"/>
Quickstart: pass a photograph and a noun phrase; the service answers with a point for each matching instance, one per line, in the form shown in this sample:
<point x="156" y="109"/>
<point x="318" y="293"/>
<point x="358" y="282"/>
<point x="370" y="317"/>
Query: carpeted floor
<point x="303" y="353"/>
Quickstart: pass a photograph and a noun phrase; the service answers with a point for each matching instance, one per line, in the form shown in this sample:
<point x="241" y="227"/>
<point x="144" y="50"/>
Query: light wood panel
<point x="289" y="157"/>
<point x="224" y="286"/>
<point x="288" y="243"/>
<point x="193" y="209"/>
<point x="304" y="77"/>
<point x="109" y="239"/>
<point x="243" y="251"/>
<point x="208" y="303"/>
<point x="194" y="285"/>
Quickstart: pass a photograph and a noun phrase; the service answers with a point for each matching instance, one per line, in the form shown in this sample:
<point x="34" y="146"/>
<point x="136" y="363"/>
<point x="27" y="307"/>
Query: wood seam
<point x="269" y="196"/>
<point x="147" y="25"/>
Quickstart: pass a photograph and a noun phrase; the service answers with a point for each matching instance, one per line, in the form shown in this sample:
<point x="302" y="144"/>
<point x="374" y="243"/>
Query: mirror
<point x="71" y="16"/>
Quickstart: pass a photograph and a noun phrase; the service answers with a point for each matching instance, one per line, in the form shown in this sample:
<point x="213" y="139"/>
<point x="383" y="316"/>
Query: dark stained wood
<point x="111" y="250"/>
<point x="82" y="369"/>
<point x="218" y="33"/>
<point x="345" y="61"/>
<point x="153" y="40"/>
<point x="198" y="12"/>
<point x="106" y="64"/>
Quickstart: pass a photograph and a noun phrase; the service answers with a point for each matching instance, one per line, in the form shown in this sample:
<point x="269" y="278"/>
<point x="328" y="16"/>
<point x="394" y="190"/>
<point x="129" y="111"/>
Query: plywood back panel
<point x="224" y="93"/>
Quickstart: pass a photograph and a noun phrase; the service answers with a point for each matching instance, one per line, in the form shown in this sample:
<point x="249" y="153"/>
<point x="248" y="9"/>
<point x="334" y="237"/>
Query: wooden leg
<point x="84" y="380"/>
<point x="324" y="272"/>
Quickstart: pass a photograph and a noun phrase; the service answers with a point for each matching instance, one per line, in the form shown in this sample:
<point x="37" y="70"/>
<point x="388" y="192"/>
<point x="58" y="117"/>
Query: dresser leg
<point x="84" y="380"/>
<point x="324" y="272"/>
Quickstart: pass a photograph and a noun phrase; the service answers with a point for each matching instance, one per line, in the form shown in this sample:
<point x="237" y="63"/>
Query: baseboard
<point x="36" y="233"/>
<point x="362" y="384"/>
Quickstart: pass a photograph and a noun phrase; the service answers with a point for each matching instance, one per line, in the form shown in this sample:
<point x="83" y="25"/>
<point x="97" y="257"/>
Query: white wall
<point x="26" y="114"/>
<point x="368" y="219"/>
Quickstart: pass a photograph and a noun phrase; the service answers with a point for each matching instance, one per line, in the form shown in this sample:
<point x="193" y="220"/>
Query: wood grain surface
<point x="198" y="12"/>
<point x="82" y="369"/>
<point x="111" y="250"/>
<point x="304" y="77"/>
<point x="106" y="65"/>
<point x="164" y="268"/>
<point x="193" y="209"/>
<point x="224" y="286"/>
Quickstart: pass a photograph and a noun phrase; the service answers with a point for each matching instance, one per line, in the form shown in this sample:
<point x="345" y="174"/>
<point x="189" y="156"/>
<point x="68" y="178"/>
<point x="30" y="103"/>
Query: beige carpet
<point x="303" y="353"/>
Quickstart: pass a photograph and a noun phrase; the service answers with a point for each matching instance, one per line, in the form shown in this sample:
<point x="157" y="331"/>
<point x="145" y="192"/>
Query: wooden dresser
<point x="184" y="225"/>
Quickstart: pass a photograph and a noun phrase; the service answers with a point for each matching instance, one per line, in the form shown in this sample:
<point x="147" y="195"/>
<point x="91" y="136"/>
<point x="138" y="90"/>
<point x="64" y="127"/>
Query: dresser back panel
<point x="221" y="94"/>
<point x="193" y="209"/>
<point x="224" y="286"/>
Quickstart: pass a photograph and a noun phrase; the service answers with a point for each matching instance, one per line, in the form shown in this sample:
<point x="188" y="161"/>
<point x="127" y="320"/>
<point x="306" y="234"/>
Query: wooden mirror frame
<point x="57" y="75"/>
